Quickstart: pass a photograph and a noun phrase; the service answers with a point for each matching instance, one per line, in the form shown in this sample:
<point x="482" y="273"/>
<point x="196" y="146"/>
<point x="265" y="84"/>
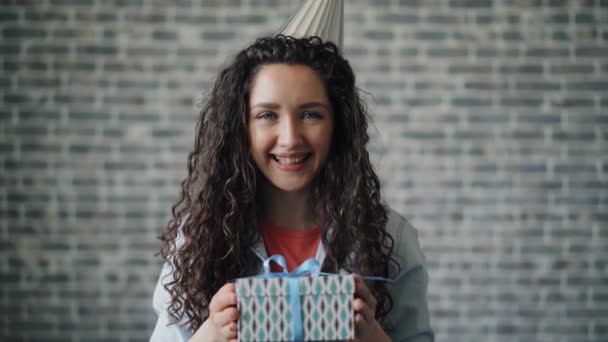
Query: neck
<point x="290" y="210"/>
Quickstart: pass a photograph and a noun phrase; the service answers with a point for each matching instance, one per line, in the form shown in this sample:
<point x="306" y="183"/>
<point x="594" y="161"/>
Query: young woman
<point x="280" y="166"/>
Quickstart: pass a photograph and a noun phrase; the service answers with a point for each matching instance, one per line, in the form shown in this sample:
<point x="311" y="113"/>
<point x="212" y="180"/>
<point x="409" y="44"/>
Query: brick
<point x="98" y="49"/>
<point x="543" y="119"/>
<point x="573" y="102"/>
<point x="53" y="48"/>
<point x="567" y="69"/>
<point x="8" y="15"/>
<point x="145" y="85"/>
<point x="123" y="66"/>
<point x="35" y="14"/>
<point x="72" y="2"/>
<point x="470" y="3"/>
<point x="193" y="52"/>
<point x="135" y="99"/>
<point x="421" y="101"/>
<point x="99" y="17"/>
<point x="39" y="66"/>
<point x="22" y="33"/>
<point x="56" y="246"/>
<point x="561" y="36"/>
<point x="49" y="338"/>
<point x="30" y="326"/>
<point x="469" y="68"/>
<point x="164" y="35"/>
<point x="411" y="3"/>
<point x="192" y="18"/>
<point x="559" y="18"/>
<point x="217" y="35"/>
<point x="216" y="3"/>
<point x="512" y="36"/>
<point x="547" y="52"/>
<point x="73" y="66"/>
<point x="379" y="35"/>
<point x="396" y="18"/>
<point x="470" y="101"/>
<point x="30" y="130"/>
<point x="584" y="18"/>
<point x="127" y="3"/>
<point x="147" y="52"/>
<point x="15" y="98"/>
<point x="520" y="101"/>
<point x="574" y="135"/>
<point x="139" y="117"/>
<point x="589" y="85"/>
<point x="491" y="52"/>
<point x="434" y="18"/>
<point x="124" y="165"/>
<point x="245" y="19"/>
<point x="447" y="52"/>
<point x="423" y="134"/>
<point x="89" y="116"/>
<point x="86" y="148"/>
<point x="430" y="35"/>
<point x="38" y="82"/>
<point x="591" y="52"/>
<point x="521" y="69"/>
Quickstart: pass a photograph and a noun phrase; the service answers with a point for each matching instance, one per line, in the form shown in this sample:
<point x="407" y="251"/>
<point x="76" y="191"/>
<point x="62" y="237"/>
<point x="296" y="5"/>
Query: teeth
<point x="287" y="161"/>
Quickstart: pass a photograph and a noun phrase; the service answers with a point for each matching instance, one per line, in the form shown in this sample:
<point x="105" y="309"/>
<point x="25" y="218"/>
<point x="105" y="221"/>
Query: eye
<point x="267" y="116"/>
<point x="312" y="115"/>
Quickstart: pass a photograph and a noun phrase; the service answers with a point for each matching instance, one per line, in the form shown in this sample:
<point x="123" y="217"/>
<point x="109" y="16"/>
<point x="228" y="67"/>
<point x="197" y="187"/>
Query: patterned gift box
<point x="325" y="302"/>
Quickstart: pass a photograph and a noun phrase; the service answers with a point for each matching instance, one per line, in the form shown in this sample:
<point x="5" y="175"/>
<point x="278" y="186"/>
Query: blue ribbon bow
<point x="307" y="268"/>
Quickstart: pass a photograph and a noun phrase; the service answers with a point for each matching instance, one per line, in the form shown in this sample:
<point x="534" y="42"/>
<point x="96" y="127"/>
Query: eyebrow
<point x="307" y="105"/>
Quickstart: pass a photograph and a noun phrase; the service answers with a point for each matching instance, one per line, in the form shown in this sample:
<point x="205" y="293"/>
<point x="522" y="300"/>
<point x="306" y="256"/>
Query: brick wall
<point x="491" y="133"/>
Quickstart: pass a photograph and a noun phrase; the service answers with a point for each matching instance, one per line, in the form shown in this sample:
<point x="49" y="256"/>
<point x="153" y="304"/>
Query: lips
<point x="290" y="160"/>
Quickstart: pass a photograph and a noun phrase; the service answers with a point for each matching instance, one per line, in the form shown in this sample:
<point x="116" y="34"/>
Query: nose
<point x="289" y="134"/>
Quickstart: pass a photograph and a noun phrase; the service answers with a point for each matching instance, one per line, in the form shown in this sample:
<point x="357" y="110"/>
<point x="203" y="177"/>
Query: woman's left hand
<point x="367" y="327"/>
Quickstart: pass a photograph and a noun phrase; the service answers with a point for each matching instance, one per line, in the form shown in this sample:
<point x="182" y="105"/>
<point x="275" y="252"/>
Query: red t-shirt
<point x="295" y="246"/>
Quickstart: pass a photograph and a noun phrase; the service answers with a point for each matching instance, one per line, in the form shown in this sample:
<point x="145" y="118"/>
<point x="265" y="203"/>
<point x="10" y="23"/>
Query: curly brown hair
<point x="218" y="203"/>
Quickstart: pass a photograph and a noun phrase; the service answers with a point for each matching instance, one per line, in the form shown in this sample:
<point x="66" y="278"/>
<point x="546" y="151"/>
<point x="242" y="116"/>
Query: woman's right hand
<point x="223" y="314"/>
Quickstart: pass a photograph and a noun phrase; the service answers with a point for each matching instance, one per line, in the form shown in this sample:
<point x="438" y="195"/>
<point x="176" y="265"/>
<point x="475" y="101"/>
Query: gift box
<point x="310" y="308"/>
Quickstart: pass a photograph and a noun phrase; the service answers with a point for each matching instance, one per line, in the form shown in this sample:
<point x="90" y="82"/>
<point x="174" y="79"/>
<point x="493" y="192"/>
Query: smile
<point x="290" y="160"/>
<point x="291" y="163"/>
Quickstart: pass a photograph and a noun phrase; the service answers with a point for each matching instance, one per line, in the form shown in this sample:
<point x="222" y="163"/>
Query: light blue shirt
<point x="407" y="321"/>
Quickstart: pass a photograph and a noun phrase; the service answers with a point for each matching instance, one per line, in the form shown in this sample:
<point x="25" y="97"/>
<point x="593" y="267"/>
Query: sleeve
<point x="164" y="331"/>
<point x="409" y="318"/>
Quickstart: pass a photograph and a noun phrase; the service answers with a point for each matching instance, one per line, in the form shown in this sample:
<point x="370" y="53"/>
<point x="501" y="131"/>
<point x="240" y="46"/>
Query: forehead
<point x="287" y="84"/>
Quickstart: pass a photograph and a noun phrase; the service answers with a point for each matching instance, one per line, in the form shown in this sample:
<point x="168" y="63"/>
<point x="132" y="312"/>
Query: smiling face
<point x="290" y="124"/>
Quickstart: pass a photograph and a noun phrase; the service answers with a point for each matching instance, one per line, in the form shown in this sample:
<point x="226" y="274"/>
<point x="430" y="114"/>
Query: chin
<point x="291" y="187"/>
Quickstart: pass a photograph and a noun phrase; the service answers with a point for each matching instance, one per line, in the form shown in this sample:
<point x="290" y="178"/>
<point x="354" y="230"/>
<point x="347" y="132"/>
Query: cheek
<point x="257" y="141"/>
<point x="324" y="141"/>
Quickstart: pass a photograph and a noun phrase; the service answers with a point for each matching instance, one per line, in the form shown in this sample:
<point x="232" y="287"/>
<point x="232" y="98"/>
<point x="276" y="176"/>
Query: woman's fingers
<point x="363" y="292"/>
<point x="225" y="297"/>
<point x="362" y="309"/>
<point x="230" y="331"/>
<point x="364" y="306"/>
<point x="223" y="312"/>
<point x="225" y="317"/>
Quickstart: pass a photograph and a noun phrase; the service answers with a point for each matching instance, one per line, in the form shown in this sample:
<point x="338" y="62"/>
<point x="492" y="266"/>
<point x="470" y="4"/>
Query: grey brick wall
<point x="491" y="133"/>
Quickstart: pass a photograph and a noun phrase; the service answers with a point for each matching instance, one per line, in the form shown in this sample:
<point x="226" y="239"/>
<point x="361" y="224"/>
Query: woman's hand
<point x="221" y="323"/>
<point x="367" y="327"/>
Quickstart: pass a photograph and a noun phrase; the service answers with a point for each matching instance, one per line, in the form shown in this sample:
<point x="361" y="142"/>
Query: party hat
<point x="322" y="18"/>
